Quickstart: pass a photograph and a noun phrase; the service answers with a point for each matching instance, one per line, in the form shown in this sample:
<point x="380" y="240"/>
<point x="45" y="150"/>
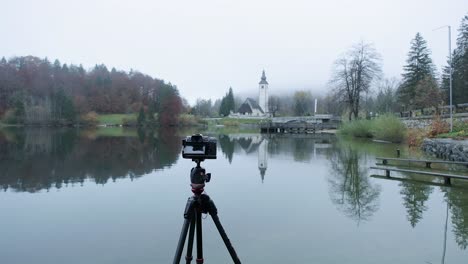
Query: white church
<point x="252" y="108"/>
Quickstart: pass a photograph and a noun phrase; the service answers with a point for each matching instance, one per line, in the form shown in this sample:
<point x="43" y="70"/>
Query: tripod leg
<point x="214" y="215"/>
<point x="188" y="215"/>
<point x="189" y="257"/>
<point x="199" y="237"/>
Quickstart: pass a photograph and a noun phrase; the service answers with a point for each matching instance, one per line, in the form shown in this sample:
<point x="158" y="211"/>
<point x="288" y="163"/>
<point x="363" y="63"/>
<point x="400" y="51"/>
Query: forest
<point x="34" y="91"/>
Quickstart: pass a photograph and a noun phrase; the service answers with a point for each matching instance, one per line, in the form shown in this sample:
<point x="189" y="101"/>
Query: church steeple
<point x="263" y="79"/>
<point x="263" y="93"/>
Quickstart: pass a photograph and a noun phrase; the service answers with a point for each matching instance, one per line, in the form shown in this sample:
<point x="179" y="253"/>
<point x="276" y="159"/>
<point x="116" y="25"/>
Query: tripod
<point x="196" y="205"/>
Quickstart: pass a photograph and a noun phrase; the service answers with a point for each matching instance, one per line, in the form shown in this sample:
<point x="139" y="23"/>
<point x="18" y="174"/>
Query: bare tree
<point x="354" y="73"/>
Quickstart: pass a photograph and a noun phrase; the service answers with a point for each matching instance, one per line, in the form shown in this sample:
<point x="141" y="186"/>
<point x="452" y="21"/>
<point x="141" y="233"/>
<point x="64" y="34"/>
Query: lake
<point x="118" y="196"/>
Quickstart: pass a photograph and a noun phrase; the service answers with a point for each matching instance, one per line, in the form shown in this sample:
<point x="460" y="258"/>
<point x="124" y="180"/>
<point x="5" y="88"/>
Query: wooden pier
<point x="295" y="125"/>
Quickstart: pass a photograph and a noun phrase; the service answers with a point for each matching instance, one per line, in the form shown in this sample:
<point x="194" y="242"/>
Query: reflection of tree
<point x="300" y="147"/>
<point x="458" y="200"/>
<point x="415" y="195"/>
<point x="51" y="158"/>
<point x="303" y="149"/>
<point x="350" y="188"/>
<point x="227" y="146"/>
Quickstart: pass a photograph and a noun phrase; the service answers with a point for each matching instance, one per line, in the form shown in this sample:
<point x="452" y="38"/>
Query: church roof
<point x="263" y="79"/>
<point x="249" y="105"/>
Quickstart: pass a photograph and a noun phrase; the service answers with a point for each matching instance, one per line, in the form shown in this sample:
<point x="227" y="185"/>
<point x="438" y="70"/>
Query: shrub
<point x="388" y="127"/>
<point x="438" y="126"/>
<point x="415" y="137"/>
<point x="357" y="128"/>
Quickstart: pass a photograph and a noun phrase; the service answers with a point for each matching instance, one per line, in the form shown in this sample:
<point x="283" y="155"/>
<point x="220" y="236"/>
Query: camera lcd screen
<point x="191" y="150"/>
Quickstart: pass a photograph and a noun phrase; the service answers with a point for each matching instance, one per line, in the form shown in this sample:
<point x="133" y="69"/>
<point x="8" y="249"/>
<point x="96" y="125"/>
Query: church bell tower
<point x="263" y="93"/>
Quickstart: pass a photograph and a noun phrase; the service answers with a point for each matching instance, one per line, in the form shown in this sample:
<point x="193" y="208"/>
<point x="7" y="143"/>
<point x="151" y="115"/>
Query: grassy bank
<point x="385" y="127"/>
<point x="116" y="119"/>
<point x="234" y="122"/>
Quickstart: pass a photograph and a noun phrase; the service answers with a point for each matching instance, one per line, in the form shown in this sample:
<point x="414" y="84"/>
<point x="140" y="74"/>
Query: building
<point x="256" y="108"/>
<point x="250" y="108"/>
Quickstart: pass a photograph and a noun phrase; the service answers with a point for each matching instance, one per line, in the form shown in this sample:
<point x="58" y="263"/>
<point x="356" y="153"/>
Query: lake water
<point x="118" y="196"/>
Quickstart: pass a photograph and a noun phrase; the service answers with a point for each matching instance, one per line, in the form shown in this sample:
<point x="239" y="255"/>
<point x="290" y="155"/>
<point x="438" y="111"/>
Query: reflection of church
<point x="252" y="143"/>
<point x="263" y="158"/>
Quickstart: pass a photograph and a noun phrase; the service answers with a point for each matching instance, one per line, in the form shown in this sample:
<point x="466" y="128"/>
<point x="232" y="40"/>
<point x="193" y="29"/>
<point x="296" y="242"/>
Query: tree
<point x="141" y="117"/>
<point x="227" y="103"/>
<point x="459" y="67"/>
<point x="302" y="103"/>
<point x="202" y="108"/>
<point x="418" y="67"/>
<point x="427" y="93"/>
<point x="386" y="102"/>
<point x="353" y="75"/>
<point x="274" y="104"/>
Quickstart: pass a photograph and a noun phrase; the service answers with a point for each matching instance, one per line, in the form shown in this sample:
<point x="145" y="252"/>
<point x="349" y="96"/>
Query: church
<point x="252" y="108"/>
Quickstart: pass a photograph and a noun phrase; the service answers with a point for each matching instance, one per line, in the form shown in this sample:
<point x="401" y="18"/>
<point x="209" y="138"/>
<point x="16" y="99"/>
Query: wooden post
<point x="447" y="180"/>
<point x="387" y="173"/>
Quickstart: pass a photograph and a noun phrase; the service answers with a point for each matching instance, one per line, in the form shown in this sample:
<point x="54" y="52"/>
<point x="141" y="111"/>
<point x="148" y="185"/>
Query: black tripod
<point x="196" y="205"/>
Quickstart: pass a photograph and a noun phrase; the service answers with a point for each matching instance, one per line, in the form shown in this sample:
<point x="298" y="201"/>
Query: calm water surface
<point x="117" y="196"/>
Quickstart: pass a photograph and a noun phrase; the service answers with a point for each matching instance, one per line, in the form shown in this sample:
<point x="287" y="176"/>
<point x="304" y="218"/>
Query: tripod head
<point x="198" y="177"/>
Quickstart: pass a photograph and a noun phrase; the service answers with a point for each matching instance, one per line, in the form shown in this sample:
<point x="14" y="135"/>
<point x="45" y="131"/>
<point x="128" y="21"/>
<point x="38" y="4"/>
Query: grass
<point x="116" y="119"/>
<point x="235" y="122"/>
<point x="385" y="127"/>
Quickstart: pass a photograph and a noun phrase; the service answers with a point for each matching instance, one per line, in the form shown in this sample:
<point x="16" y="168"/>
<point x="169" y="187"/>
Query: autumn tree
<point x="55" y="92"/>
<point x="353" y="74"/>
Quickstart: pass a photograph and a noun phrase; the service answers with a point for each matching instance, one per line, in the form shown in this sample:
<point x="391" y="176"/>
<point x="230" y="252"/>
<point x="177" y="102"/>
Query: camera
<point x="199" y="147"/>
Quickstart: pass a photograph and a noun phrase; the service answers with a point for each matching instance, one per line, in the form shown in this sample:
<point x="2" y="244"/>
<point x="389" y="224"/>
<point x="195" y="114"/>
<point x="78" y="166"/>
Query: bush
<point x="415" y="137"/>
<point x="438" y="126"/>
<point x="388" y="127"/>
<point x="357" y="128"/>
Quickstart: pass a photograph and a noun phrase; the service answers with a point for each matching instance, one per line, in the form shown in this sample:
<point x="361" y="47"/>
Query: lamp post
<point x="450" y="67"/>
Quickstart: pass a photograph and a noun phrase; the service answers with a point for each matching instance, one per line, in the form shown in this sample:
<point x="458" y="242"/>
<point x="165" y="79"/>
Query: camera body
<point x="199" y="147"/>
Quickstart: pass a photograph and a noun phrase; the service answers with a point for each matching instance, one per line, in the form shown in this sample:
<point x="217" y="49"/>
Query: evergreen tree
<point x="230" y="101"/>
<point x="227" y="103"/>
<point x="419" y="66"/>
<point x="459" y="68"/>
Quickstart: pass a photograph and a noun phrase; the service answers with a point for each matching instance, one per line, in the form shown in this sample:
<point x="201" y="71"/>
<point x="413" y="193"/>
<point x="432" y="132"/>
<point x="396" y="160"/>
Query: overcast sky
<point x="204" y="47"/>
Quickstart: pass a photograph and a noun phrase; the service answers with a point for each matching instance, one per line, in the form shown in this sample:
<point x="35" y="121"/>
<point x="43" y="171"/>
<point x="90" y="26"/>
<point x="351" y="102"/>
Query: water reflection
<point x="415" y="195"/>
<point x="33" y="160"/>
<point x="458" y="201"/>
<point x="350" y="186"/>
<point x="40" y="159"/>
<point x="302" y="148"/>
